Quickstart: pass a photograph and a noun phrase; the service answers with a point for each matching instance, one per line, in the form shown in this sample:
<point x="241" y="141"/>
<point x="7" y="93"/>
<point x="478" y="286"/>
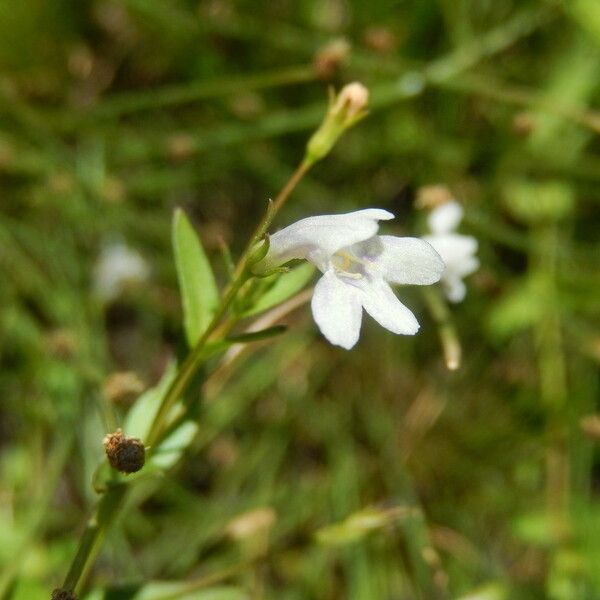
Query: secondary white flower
<point x="458" y="251"/>
<point x="357" y="265"/>
<point x="116" y="267"/>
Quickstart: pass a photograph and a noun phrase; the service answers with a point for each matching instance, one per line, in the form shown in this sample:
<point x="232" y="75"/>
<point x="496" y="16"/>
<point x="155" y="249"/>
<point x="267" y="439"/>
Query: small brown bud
<point x="112" y="190"/>
<point x="590" y="425"/>
<point x="431" y="196"/>
<point x="330" y="58"/>
<point x="381" y="39"/>
<point x="252" y="522"/>
<point x="123" y="387"/>
<point x="61" y="343"/>
<point x="181" y="147"/>
<point x="62" y="594"/>
<point x="523" y="124"/>
<point x="124" y="454"/>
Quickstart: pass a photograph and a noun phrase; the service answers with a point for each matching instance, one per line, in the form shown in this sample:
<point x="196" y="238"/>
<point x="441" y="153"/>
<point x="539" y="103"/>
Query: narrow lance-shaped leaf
<point x="199" y="292"/>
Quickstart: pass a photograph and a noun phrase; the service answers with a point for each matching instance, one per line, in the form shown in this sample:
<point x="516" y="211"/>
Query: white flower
<point x="457" y="251"/>
<point x="357" y="265"/>
<point x="116" y="267"/>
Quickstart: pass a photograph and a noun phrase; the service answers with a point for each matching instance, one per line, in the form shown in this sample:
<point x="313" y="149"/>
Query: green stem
<point x="92" y="538"/>
<point x="126" y="103"/>
<point x="111" y="501"/>
<point x="446" y="330"/>
<point x="240" y="276"/>
<point x="552" y="377"/>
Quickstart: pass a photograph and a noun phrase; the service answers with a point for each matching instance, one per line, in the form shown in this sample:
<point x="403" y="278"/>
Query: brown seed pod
<point x="124" y="454"/>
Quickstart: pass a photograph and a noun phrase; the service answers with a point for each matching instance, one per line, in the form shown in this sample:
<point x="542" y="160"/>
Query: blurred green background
<point x="372" y="474"/>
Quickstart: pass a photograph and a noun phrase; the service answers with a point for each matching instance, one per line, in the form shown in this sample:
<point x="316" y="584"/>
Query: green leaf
<point x="281" y="287"/>
<point x="520" y="308"/>
<point x="533" y="203"/>
<point x="140" y="418"/>
<point x="165" y="590"/>
<point x="200" y="295"/>
<point x="173" y="446"/>
<point x="491" y="591"/>
<point x="29" y="590"/>
<point x="141" y="415"/>
<point x="358" y="525"/>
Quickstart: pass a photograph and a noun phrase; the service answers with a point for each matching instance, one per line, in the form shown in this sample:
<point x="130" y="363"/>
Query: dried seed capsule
<point x="124" y="454"/>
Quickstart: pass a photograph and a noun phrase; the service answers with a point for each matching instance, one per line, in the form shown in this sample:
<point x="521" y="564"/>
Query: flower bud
<point x="524" y="124"/>
<point x="432" y="196"/>
<point x="590" y="425"/>
<point x="259" y="251"/>
<point x="351" y="102"/>
<point x="345" y="110"/>
<point x="329" y="58"/>
<point x="62" y="594"/>
<point x="124" y="454"/>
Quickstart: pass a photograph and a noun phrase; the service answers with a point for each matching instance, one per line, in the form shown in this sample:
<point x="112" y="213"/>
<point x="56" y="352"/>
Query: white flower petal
<point x="454" y="288"/>
<point x="379" y="214"/>
<point x="445" y="218"/>
<point x="379" y="301"/>
<point x="317" y="238"/>
<point x="337" y="310"/>
<point x="468" y="266"/>
<point x="117" y="266"/>
<point x="406" y="260"/>
<point x="457" y="251"/>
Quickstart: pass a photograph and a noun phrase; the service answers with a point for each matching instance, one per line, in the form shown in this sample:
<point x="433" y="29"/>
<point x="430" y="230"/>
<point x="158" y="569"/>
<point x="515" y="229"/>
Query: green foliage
<point x="199" y="291"/>
<point x="531" y="203"/>
<point x="115" y="112"/>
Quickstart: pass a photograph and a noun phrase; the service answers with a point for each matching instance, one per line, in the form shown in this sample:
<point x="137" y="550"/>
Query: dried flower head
<point x="124" y="454"/>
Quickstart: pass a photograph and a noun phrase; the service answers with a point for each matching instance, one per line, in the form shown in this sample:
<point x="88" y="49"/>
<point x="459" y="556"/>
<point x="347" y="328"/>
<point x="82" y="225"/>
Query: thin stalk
<point x="552" y="379"/>
<point x="111" y="501"/>
<point x="126" y="103"/>
<point x="446" y="330"/>
<point x="240" y="276"/>
<point x="500" y="91"/>
<point x="92" y="538"/>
